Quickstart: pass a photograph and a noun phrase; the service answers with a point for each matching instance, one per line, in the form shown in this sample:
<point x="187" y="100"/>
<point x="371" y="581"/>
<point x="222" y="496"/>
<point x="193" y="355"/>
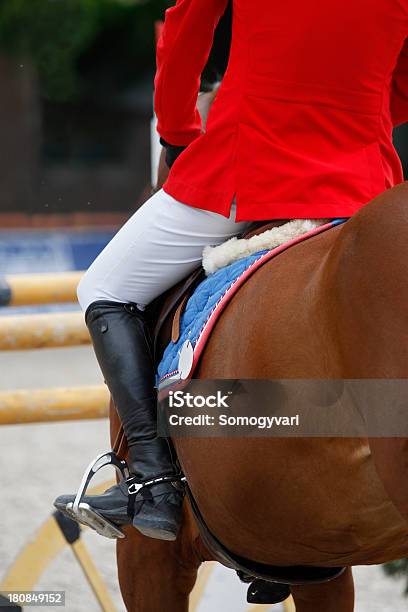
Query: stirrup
<point x="82" y="512"/>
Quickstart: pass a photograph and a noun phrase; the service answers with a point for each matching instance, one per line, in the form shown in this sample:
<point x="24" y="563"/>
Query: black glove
<point x="172" y="152"/>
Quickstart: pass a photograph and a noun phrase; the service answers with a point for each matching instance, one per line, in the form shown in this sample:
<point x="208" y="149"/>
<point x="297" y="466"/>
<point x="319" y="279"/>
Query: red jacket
<point x="302" y="124"/>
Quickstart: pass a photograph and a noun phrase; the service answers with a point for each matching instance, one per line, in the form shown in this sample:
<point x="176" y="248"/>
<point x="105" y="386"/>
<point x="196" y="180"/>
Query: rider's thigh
<point x="159" y="245"/>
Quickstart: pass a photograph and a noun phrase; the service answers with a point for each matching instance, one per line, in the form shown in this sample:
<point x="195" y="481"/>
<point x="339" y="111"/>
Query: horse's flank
<point x="332" y="307"/>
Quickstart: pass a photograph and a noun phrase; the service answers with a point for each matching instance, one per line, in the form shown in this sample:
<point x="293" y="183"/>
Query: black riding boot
<point x="122" y="346"/>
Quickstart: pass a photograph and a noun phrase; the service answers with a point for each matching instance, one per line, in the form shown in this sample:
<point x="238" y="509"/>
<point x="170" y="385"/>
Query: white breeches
<point x="157" y="247"/>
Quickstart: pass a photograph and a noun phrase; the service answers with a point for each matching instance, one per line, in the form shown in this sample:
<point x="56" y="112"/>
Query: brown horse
<point x="336" y="308"/>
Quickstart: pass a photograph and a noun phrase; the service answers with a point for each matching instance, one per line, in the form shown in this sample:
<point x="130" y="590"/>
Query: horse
<point x="336" y="309"/>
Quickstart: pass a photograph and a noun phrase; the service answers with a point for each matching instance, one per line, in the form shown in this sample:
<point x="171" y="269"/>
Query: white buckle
<point x="134" y="487"/>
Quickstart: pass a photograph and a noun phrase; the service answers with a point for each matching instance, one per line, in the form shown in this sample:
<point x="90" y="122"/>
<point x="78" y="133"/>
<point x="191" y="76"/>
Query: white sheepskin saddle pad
<point x="233" y="249"/>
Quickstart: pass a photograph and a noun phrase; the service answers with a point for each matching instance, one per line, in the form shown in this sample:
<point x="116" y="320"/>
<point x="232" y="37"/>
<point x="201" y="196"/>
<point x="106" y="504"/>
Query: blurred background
<point x="76" y="83"/>
<point x="76" y="78"/>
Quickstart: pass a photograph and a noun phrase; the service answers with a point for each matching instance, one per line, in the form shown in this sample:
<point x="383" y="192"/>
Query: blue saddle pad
<point x="199" y="307"/>
<point x="204" y="300"/>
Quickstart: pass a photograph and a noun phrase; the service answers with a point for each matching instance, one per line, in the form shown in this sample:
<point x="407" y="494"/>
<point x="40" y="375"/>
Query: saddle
<point x="268" y="584"/>
<point x="164" y="313"/>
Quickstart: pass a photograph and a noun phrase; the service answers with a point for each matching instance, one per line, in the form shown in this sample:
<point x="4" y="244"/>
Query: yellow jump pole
<point x="30" y="289"/>
<point x="289" y="605"/>
<point x="59" y="404"/>
<point x="43" y="547"/>
<point x="49" y="330"/>
<point x="203" y="577"/>
<point x="92" y="575"/>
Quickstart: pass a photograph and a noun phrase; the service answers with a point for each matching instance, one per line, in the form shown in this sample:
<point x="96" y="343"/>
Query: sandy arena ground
<point x="41" y="461"/>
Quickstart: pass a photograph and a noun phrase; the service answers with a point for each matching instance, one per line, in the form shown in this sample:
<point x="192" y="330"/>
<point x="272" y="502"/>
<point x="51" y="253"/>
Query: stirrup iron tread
<point x="90" y="518"/>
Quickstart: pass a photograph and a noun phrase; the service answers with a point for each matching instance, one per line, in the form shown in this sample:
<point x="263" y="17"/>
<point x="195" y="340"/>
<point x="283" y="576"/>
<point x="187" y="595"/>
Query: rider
<point x="300" y="128"/>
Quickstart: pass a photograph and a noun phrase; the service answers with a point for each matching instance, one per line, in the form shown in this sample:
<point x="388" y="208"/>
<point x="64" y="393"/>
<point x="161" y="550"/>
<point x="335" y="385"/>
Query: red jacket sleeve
<point x="399" y="91"/>
<point x="182" y="52"/>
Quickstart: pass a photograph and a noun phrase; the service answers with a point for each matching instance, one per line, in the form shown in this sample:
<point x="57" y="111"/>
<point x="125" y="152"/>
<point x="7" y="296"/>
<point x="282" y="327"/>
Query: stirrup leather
<point x="82" y="512"/>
